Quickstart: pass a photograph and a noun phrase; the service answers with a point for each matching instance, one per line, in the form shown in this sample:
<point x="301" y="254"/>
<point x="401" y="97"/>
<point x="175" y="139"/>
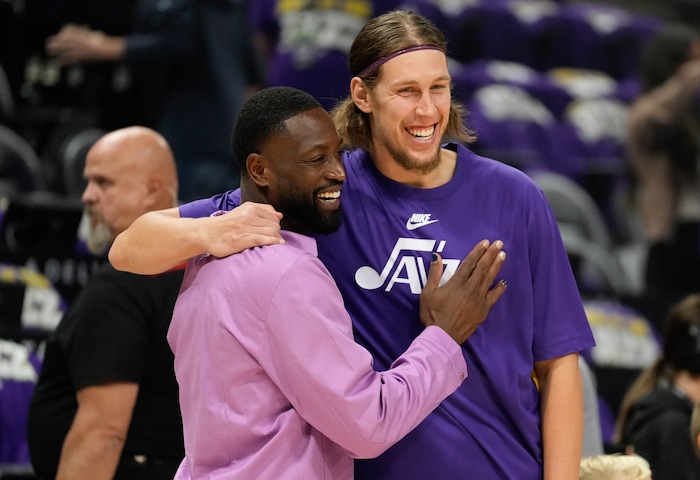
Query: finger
<point x="245" y="219"/>
<point x="268" y="212"/>
<point x="263" y="211"/>
<point x="434" y="274"/>
<point x="495" y="293"/>
<point x="493" y="269"/>
<point x="70" y="27"/>
<point x="466" y="268"/>
<point x="479" y="279"/>
<point x="53" y="46"/>
<point x="262" y="240"/>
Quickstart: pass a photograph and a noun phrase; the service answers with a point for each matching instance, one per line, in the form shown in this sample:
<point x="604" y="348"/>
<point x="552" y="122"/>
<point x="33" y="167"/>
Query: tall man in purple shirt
<point x="408" y="194"/>
<point x="272" y="383"/>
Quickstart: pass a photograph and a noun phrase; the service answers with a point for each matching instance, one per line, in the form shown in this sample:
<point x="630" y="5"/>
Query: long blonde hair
<point x="379" y="38"/>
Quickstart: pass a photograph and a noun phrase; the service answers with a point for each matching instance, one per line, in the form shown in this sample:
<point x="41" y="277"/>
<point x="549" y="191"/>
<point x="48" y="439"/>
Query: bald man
<point x="129" y="172"/>
<point x="106" y="405"/>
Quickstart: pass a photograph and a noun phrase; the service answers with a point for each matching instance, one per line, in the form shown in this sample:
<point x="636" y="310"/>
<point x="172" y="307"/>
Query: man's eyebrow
<point x="409" y="81"/>
<point x="314" y="149"/>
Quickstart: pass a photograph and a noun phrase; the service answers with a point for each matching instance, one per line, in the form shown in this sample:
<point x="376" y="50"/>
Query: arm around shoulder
<point x="160" y="240"/>
<point x="155" y="242"/>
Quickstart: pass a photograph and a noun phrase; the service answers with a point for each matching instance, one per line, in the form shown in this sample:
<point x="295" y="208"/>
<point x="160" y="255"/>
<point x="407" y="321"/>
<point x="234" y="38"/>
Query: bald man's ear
<point x="154" y="187"/>
<point x="360" y="94"/>
<point x="258" y="169"/>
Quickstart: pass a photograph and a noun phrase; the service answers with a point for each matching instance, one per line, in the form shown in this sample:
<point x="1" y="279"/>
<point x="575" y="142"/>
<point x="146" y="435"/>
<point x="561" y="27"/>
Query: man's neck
<point x="255" y="195"/>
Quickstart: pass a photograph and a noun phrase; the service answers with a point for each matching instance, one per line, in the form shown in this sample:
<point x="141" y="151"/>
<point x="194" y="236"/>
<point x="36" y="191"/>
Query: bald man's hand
<point x="463" y="302"/>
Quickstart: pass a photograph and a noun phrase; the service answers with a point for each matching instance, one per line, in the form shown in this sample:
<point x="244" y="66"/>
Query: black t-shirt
<point x="658" y="428"/>
<point x="115" y="331"/>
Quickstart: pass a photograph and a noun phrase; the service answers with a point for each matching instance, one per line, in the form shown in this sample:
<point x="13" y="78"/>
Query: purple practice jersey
<point x="490" y="427"/>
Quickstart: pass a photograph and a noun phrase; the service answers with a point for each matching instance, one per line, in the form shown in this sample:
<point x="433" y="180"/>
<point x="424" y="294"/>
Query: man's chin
<point x="99" y="240"/>
<point x="415" y="164"/>
<point x="97" y="250"/>
<point x="330" y="225"/>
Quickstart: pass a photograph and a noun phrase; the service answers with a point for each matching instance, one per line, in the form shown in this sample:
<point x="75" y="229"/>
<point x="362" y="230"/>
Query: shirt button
<point x="461" y="375"/>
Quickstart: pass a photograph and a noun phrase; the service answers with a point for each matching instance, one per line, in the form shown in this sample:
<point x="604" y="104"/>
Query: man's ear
<point x="360" y="94"/>
<point x="154" y="186"/>
<point x="258" y="169"/>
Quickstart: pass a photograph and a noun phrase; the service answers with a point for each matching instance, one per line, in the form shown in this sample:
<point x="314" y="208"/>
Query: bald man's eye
<point x="102" y="182"/>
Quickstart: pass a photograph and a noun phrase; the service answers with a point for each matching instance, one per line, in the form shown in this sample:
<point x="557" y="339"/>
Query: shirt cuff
<point x="446" y="344"/>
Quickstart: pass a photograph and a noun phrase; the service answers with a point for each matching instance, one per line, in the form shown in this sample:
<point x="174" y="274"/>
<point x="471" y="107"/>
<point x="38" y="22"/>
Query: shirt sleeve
<point x="164" y="34"/>
<point x="205" y="207"/>
<point x="109" y="336"/>
<point x="561" y="325"/>
<point x="310" y="353"/>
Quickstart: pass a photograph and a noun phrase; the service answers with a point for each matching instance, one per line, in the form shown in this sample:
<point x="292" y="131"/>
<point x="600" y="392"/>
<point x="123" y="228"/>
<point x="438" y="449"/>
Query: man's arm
<point x="77" y="44"/>
<point x="651" y="118"/>
<point x="160" y="240"/>
<point x="668" y="102"/>
<point x="561" y="407"/>
<point x="96" y="438"/>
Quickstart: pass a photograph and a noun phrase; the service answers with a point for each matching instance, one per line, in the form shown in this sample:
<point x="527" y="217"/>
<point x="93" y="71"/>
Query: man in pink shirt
<point x="272" y="383"/>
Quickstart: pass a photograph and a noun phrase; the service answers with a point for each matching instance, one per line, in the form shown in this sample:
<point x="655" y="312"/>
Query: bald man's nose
<point x="89" y="194"/>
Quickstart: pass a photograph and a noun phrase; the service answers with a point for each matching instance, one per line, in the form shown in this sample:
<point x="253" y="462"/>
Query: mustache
<point x="331" y="184"/>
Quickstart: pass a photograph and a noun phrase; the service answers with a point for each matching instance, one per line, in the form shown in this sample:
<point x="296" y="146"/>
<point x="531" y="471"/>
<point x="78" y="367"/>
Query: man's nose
<point x="89" y="194"/>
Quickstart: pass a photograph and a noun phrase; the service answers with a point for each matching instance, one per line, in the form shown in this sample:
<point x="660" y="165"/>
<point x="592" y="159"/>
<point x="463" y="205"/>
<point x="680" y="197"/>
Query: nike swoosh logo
<point x="413" y="225"/>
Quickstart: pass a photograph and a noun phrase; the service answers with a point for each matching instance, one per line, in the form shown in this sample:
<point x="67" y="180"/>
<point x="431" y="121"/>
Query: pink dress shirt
<point x="272" y="384"/>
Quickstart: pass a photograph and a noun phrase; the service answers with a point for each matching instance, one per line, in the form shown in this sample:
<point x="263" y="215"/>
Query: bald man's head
<point x="129" y="172"/>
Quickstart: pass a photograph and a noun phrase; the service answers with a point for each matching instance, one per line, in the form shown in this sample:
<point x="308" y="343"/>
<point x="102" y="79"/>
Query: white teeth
<point x="329" y="195"/>
<point x="422" y="132"/>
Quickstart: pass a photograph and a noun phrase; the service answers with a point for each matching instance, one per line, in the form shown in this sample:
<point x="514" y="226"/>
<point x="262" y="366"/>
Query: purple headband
<point x="383" y="60"/>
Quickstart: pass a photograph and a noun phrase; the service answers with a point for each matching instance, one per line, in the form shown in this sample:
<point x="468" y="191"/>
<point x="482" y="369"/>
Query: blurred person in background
<point x="105" y="405"/>
<point x="664" y="131"/>
<point x="193" y="63"/>
<point x="655" y="415"/>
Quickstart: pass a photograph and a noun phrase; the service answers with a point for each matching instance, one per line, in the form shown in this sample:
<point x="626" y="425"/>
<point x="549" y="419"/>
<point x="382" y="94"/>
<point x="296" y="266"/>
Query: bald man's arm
<point x="160" y="240"/>
<point x="97" y="435"/>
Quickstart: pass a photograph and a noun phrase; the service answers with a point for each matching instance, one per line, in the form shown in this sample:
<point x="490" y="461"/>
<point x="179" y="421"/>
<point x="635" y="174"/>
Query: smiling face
<point x="409" y="110"/>
<point x="305" y="173"/>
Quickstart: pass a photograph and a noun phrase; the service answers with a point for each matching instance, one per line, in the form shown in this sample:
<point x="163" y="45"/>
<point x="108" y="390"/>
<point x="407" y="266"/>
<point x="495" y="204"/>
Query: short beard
<point x="411" y="165"/>
<point x="99" y="237"/>
<point x="329" y="223"/>
<point x="304" y="213"/>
